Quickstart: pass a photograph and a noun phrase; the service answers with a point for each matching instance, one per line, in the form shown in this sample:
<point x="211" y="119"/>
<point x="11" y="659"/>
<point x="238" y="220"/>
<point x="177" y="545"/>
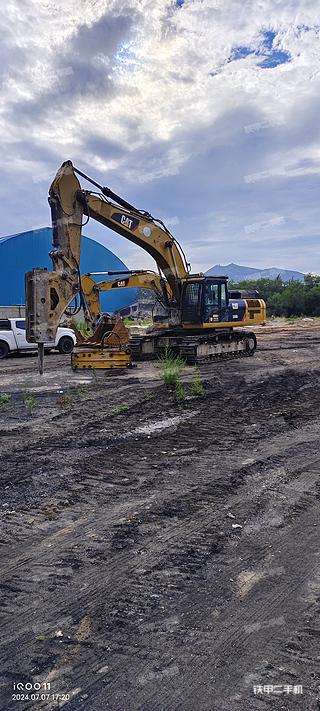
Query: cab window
<point x="21" y="324"/>
<point x="223" y="295"/>
<point x="211" y="294"/>
<point x="192" y="294"/>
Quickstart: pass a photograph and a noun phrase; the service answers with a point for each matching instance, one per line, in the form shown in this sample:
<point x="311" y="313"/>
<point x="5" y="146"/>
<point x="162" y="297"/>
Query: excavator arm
<point x="142" y="279"/>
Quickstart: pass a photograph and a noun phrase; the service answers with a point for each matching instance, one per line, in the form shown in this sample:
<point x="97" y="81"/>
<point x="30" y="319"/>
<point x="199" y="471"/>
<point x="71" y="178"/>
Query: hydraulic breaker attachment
<point x="47" y="296"/>
<point x="38" y="329"/>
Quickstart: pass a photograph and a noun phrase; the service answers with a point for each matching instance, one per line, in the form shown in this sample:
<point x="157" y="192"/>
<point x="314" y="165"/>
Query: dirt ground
<point x="163" y="556"/>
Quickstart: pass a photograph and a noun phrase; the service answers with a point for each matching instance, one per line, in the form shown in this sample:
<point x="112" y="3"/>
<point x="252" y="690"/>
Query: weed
<point x="29" y="401"/>
<point x="79" y="392"/>
<point x="149" y="396"/>
<point x="180" y="391"/>
<point x="171" y="367"/>
<point x="197" y="387"/>
<point x="67" y="399"/>
<point x="5" y="397"/>
<point x="121" y="408"/>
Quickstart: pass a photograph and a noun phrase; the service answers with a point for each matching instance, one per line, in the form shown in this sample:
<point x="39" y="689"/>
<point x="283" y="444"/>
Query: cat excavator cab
<point x="200" y="320"/>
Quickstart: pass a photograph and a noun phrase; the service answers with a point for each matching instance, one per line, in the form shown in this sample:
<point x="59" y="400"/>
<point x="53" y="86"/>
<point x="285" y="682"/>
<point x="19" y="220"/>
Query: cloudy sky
<point x="203" y="112"/>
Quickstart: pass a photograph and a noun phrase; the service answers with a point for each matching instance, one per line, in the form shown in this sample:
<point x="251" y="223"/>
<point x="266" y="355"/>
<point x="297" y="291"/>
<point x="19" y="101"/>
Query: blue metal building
<point x="22" y="252"/>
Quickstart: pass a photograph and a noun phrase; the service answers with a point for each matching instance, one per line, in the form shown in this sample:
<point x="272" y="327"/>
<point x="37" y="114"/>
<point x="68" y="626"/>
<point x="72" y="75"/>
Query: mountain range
<point x="237" y="273"/>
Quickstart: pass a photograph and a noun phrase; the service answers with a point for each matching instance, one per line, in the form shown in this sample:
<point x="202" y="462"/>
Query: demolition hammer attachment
<point x="47" y="296"/>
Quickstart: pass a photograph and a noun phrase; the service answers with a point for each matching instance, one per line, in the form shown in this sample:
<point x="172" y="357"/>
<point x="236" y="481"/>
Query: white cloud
<point x="142" y="94"/>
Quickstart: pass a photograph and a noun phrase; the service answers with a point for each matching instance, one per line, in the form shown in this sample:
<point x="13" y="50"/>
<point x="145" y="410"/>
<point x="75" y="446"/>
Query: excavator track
<point x="195" y="348"/>
<point x="205" y="349"/>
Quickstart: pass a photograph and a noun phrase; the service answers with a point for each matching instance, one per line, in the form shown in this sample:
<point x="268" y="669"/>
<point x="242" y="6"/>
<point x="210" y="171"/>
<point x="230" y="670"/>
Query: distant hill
<point x="236" y="272"/>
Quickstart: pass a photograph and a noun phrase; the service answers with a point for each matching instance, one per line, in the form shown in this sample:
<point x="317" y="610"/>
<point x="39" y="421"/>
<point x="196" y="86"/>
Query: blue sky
<point x="204" y="113"/>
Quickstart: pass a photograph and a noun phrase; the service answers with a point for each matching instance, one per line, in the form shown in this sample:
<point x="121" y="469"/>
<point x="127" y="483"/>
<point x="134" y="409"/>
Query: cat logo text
<point x="130" y="223"/>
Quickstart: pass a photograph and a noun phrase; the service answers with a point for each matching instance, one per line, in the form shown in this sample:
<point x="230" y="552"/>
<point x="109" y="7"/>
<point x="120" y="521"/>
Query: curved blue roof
<point x="22" y="252"/>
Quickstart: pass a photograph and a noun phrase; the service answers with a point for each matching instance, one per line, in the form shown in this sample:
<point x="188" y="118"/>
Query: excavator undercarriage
<point x="194" y="348"/>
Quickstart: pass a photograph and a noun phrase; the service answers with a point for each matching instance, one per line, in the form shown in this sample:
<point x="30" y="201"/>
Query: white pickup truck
<point x="13" y="338"/>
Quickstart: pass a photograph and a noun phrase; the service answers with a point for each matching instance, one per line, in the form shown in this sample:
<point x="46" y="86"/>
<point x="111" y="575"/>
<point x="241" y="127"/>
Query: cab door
<point x="215" y="301"/>
<point x="211" y="302"/>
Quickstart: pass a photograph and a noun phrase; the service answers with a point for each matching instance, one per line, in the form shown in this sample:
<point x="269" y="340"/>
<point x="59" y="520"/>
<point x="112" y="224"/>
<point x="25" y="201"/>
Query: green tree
<point x="311" y="280"/>
<point x="293" y="298"/>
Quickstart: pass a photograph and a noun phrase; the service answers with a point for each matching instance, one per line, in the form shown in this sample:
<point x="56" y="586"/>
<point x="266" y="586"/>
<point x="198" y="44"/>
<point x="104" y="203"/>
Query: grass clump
<point x="171" y="368"/>
<point x="68" y="399"/>
<point x="180" y="392"/>
<point x="4" y="398"/>
<point x="120" y="408"/>
<point x="197" y="387"/>
<point x="29" y="401"/>
<point x="65" y="400"/>
<point x="149" y="395"/>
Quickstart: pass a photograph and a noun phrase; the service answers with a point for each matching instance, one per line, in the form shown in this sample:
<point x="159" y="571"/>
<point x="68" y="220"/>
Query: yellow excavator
<point x="199" y="319"/>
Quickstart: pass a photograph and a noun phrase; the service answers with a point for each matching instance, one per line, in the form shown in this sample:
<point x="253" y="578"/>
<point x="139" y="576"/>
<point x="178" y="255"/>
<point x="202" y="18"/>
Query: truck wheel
<point x="65" y="345"/>
<point x="4" y="350"/>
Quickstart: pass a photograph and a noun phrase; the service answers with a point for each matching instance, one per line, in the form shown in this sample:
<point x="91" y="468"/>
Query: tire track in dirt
<point x="169" y="564"/>
<point x="125" y="563"/>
